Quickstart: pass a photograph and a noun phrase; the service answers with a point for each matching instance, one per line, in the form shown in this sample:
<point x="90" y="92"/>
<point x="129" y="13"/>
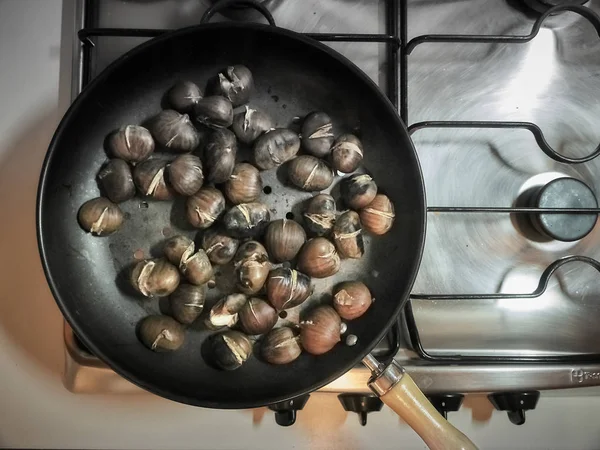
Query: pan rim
<point x="41" y="191"/>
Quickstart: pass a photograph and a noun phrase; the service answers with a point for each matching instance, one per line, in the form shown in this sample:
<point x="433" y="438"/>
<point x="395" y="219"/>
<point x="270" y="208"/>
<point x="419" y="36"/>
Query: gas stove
<point x="500" y="99"/>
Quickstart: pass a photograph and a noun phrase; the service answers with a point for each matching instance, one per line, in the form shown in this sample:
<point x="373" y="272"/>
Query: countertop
<point x="35" y="408"/>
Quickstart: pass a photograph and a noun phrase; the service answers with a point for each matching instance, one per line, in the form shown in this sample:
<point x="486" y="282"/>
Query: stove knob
<point x="285" y="412"/>
<point x="361" y="404"/>
<point x="515" y="404"/>
<point x="446" y="403"/>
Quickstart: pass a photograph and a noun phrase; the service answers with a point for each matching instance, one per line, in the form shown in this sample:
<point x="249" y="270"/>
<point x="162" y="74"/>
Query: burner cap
<point x="542" y="6"/>
<point x="565" y="193"/>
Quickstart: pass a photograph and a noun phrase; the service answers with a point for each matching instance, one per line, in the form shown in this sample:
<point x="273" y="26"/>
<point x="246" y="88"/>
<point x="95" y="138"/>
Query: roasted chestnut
<point x="161" y="333"/>
<point x="131" y="143"/>
<point x="250" y="124"/>
<point x="287" y="288"/>
<point x="320" y="330"/>
<point x="275" y="147"/>
<point x="100" y="216"/>
<point x="149" y="177"/>
<point x="178" y="248"/>
<point x="244" y="184"/>
<point x="225" y="312"/>
<point x="230" y="349"/>
<point x="205" y="206"/>
<point x="347" y="235"/>
<point x="310" y="173"/>
<point x="317" y="135"/>
<point x="214" y="112"/>
<point x="346" y="153"/>
<point x="351" y="299"/>
<point x="185" y="174"/>
<point x="318" y="258"/>
<point x="116" y="181"/>
<point x="284" y="239"/>
<point x="155" y="277"/>
<point x="219" y="247"/>
<point x="378" y="216"/>
<point x="174" y="131"/>
<point x="197" y="268"/>
<point x="187" y="302"/>
<point x="358" y="190"/>
<point x="251" y="267"/>
<point x="281" y="346"/>
<point x="247" y="219"/>
<point x="183" y="96"/>
<point x="257" y="316"/>
<point x="234" y="83"/>
<point x="320" y="214"/>
<point x="219" y="155"/>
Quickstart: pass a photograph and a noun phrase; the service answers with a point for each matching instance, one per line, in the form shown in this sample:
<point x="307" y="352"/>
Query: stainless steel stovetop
<point x="552" y="81"/>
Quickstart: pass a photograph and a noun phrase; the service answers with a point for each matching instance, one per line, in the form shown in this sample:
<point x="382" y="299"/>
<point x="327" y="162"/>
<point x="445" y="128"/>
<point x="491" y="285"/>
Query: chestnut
<point x="219" y="247"/>
<point x="178" y="248"/>
<point x="281" y="346"/>
<point x="317" y="135"/>
<point x="204" y="207"/>
<point x="161" y="333"/>
<point x="310" y="173"/>
<point x="235" y="83"/>
<point x="185" y="174"/>
<point x="116" y="181"/>
<point x="244" y="184"/>
<point x="378" y="216"/>
<point x="318" y="258"/>
<point x="251" y="267"/>
<point x="214" y="112"/>
<point x="320" y="330"/>
<point x="187" y="302"/>
<point x="250" y="124"/>
<point x="230" y="349"/>
<point x="131" y="143"/>
<point x="174" y="131"/>
<point x="149" y="177"/>
<point x="283" y="239"/>
<point x="257" y="317"/>
<point x="197" y="268"/>
<point x="225" y="312"/>
<point x="347" y="235"/>
<point x="346" y="153"/>
<point x="351" y="299"/>
<point x="358" y="190"/>
<point x="219" y="155"/>
<point x="100" y="216"/>
<point x="183" y="96"/>
<point x="287" y="288"/>
<point x="275" y="147"/>
<point x="155" y="277"/>
<point x="247" y="219"/>
<point x="320" y="214"/>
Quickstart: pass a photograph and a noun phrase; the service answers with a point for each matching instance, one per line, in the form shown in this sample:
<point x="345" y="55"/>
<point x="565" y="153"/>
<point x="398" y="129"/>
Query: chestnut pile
<point x="273" y="261"/>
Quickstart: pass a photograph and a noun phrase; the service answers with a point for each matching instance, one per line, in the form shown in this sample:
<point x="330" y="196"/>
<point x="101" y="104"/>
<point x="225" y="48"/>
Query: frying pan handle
<point x="223" y="4"/>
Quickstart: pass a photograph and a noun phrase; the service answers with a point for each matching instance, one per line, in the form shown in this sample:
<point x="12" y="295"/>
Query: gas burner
<point x="542" y="6"/>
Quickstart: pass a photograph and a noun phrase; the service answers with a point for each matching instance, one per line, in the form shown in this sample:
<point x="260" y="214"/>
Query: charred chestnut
<point x="310" y="173"/>
<point x="219" y="155"/>
<point x="155" y="277"/>
<point x="281" y="346"/>
<point x="320" y="330"/>
<point x="247" y="219"/>
<point x="250" y="124"/>
<point x="275" y="147"/>
<point x="131" y="143"/>
<point x="116" y="181"/>
<point x="161" y="333"/>
<point x="319" y="259"/>
<point x="351" y="299"/>
<point x="219" y="247"/>
<point x="244" y="184"/>
<point x="284" y="239"/>
<point x="174" y="131"/>
<point x="185" y="174"/>
<point x="378" y="216"/>
<point x="183" y="96"/>
<point x="214" y="112"/>
<point x="178" y="248"/>
<point x="225" y="312"/>
<point x="235" y="83"/>
<point x="205" y="206"/>
<point x="230" y="349"/>
<point x="287" y="288"/>
<point x="320" y="214"/>
<point x="347" y="235"/>
<point x="347" y="153"/>
<point x="251" y="267"/>
<point x="358" y="190"/>
<point x="197" y="268"/>
<point x="149" y="177"/>
<point x="100" y="216"/>
<point x="317" y="135"/>
<point x="187" y="302"/>
<point x="257" y="316"/>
